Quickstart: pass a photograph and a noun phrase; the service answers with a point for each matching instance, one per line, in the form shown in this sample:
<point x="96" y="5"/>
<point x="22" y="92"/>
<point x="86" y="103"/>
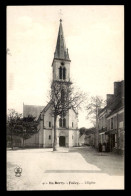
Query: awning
<point x="101" y="133"/>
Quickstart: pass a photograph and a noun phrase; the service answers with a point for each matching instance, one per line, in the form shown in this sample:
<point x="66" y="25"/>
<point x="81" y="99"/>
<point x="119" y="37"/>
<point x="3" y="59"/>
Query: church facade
<point x="66" y="127"/>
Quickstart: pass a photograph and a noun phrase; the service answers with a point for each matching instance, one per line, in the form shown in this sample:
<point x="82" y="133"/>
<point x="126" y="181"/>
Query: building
<point x="115" y="130"/>
<point x="102" y="124"/>
<point x="111" y="120"/>
<point x="67" y="127"/>
<point x="87" y="138"/>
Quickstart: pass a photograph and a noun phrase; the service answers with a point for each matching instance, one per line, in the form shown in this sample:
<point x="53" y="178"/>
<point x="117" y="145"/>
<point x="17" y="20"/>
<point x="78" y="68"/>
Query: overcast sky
<point x="94" y="36"/>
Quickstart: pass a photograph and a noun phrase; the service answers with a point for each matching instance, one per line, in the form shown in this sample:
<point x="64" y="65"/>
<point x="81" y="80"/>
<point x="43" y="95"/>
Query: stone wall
<point x="33" y="141"/>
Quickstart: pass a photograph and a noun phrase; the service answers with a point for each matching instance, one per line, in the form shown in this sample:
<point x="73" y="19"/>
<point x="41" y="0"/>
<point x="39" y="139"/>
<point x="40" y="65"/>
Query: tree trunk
<point x="55" y="136"/>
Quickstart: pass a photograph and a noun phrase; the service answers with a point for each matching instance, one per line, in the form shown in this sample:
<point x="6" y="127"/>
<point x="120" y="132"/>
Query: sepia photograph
<point x="65" y="97"/>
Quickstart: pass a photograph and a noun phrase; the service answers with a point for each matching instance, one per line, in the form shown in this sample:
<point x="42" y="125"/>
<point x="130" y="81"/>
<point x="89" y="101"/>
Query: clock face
<point x="62" y="63"/>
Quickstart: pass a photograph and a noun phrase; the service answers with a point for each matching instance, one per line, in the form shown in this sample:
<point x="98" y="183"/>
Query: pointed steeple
<point x="61" y="52"/>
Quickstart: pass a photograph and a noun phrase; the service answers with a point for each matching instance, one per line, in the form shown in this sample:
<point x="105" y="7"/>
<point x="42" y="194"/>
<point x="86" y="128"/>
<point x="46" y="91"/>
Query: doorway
<point x="62" y="141"/>
<point x="112" y="141"/>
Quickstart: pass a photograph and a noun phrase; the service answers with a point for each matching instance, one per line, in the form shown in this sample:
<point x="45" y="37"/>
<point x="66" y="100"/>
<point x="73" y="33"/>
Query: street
<point x="82" y="168"/>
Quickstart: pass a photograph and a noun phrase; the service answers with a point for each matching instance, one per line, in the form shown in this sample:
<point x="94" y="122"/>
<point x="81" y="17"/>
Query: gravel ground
<point x="74" y="169"/>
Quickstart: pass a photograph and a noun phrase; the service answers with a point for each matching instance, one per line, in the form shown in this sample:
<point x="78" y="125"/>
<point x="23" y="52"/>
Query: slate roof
<point x="115" y="111"/>
<point x="61" y="52"/>
<point x="33" y="110"/>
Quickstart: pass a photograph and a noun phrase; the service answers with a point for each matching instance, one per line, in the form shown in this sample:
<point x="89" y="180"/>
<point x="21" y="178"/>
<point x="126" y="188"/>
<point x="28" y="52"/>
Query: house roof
<point x="33" y="110"/>
<point x="115" y="105"/>
<point x="115" y="111"/>
<point x="102" y="110"/>
<point x="46" y="107"/>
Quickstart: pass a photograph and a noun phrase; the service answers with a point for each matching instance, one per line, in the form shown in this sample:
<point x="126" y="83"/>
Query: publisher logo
<point x="18" y="171"/>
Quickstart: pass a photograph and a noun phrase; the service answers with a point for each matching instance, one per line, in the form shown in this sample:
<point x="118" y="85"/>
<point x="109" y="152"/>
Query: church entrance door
<point x="62" y="141"/>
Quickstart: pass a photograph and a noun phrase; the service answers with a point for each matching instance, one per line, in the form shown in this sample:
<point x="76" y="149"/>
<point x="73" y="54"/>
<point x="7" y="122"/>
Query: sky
<point x="94" y="36"/>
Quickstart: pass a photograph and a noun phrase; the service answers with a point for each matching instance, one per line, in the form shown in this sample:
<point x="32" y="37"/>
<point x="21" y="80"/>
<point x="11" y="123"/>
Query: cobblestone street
<point x="80" y="168"/>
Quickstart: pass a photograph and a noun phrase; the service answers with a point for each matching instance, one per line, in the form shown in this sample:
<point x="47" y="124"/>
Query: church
<point x="67" y="127"/>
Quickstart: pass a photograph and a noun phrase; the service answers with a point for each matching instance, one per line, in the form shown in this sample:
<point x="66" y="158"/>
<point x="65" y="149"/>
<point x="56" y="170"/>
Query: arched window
<point x="64" y="73"/>
<point x="60" y="122"/>
<point x="64" y="122"/>
<point x="60" y="72"/>
<point x="49" y="124"/>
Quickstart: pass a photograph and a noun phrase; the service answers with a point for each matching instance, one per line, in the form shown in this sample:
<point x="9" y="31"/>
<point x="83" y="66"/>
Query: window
<point x="62" y="122"/>
<point x="62" y="63"/>
<point x="49" y="137"/>
<point x="62" y="73"/>
<point x="111" y="123"/>
<point x="72" y="124"/>
<point x="115" y="122"/>
<point x="49" y="124"/>
<point x="102" y="122"/>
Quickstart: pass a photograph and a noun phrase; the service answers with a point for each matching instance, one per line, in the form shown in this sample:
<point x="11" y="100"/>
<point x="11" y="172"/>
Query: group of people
<point x="105" y="147"/>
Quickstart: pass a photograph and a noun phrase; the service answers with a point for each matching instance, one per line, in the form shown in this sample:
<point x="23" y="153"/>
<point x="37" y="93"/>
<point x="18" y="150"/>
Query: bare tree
<point x="63" y="98"/>
<point x="96" y="102"/>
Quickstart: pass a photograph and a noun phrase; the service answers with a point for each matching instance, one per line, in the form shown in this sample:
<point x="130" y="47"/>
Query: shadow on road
<point x="109" y="163"/>
<point x="72" y="171"/>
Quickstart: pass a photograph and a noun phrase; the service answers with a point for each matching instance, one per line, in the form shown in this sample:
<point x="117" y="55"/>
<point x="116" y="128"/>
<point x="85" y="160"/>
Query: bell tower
<point x="61" y="61"/>
<point x="66" y="125"/>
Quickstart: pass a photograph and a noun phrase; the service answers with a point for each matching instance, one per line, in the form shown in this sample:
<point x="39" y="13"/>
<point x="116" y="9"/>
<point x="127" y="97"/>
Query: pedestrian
<point x="100" y="147"/>
<point x="108" y="147"/>
<point x="103" y="147"/>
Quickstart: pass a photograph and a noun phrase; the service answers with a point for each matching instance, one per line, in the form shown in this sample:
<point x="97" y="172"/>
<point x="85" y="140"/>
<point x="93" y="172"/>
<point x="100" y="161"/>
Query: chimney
<point x="119" y="88"/>
<point x="109" y="98"/>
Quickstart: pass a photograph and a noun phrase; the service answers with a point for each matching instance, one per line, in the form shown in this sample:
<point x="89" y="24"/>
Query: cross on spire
<point x="60" y="15"/>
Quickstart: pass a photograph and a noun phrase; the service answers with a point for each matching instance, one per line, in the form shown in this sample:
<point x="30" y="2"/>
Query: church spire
<point x="61" y="52"/>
